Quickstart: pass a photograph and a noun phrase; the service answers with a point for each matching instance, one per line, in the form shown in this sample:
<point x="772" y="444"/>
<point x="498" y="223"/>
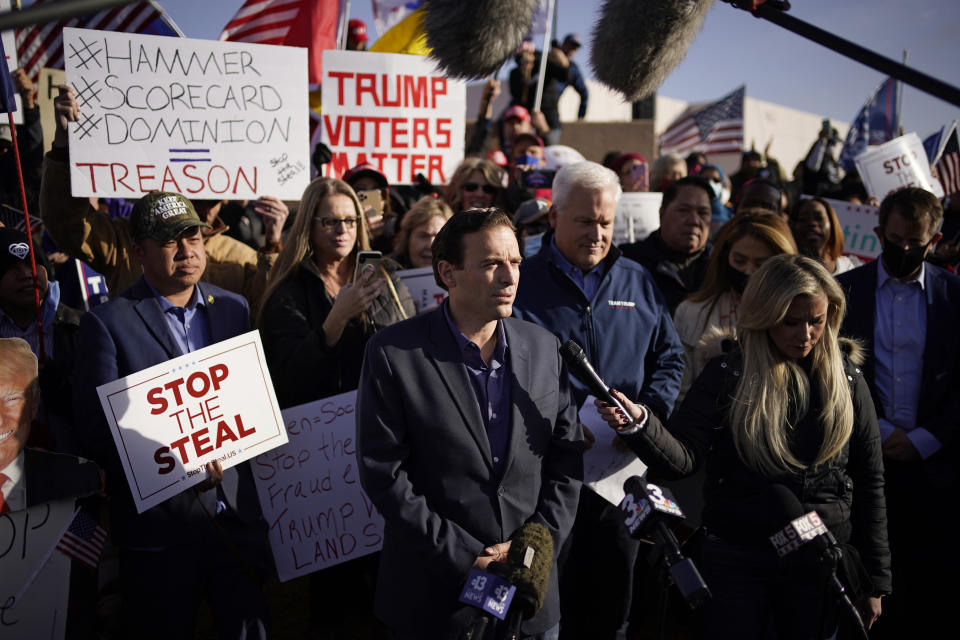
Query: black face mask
<point x="900" y="262"/>
<point x="738" y="279"/>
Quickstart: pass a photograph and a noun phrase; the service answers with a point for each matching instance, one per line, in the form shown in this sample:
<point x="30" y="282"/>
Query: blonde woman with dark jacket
<point x="784" y="408"/>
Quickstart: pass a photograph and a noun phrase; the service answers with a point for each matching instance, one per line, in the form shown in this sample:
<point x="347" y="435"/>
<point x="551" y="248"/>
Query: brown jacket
<point x="105" y="243"/>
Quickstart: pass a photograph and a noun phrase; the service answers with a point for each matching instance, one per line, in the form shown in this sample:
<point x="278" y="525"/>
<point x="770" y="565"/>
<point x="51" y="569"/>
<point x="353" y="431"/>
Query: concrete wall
<point x="790" y="132"/>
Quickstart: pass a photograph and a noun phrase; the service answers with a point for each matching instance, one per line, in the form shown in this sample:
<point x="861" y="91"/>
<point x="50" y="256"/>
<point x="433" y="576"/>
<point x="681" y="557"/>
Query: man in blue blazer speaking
<point x="204" y="544"/>
<point x="466" y="431"/>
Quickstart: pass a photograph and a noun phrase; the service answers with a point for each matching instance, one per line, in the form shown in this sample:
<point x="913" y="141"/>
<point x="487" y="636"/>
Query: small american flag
<point x="714" y="128"/>
<point x="948" y="167"/>
<point x="12" y="217"/>
<point x="83" y="539"/>
<point x="42" y="45"/>
<point x="262" y="21"/>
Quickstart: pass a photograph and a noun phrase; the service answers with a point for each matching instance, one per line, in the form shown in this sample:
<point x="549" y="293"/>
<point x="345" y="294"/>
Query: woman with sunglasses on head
<point x="315" y="319"/>
<point x="783" y="417"/>
<point x="476" y="184"/>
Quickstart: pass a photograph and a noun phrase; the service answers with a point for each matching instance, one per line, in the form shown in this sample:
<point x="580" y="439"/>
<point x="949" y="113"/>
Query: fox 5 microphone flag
<point x="8" y="102"/>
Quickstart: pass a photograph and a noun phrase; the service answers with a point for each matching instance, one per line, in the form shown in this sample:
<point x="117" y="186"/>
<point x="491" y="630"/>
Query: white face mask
<point x="725" y="196"/>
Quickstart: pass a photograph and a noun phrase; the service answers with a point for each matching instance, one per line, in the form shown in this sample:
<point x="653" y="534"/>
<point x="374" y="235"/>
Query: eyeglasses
<point x="333" y="223"/>
<point x="488" y="189"/>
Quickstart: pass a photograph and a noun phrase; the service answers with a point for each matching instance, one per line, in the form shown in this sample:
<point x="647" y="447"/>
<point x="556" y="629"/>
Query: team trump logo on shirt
<point x="622" y="304"/>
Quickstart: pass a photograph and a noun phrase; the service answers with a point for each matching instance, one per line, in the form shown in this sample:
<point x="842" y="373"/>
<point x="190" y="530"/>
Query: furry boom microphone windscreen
<point x="637" y="43"/>
<point x="473" y="38"/>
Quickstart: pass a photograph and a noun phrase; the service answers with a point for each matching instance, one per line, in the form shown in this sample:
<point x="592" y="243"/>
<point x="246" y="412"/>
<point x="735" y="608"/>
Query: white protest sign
<point x="203" y="118"/>
<point x="34" y="578"/>
<point x="426" y="293"/>
<point x="638" y="215"/>
<point x="902" y="162"/>
<point x="310" y="491"/>
<point x="170" y="420"/>
<point x="607" y="464"/>
<point x="393" y="111"/>
<point x="858" y="222"/>
<point x="10" y="49"/>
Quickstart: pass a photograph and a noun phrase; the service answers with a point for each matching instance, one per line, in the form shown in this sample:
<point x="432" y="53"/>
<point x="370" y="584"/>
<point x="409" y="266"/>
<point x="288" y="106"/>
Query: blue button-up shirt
<point x="188" y="324"/>
<point x="588" y="282"/>
<point x="491" y="383"/>
<point x="899" y="338"/>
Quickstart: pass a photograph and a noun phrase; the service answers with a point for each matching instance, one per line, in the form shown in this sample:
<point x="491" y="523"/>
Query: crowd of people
<point x="749" y="352"/>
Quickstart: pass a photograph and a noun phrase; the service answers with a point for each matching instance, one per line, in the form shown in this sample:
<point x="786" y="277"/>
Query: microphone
<point x="474" y="39"/>
<point x="807" y="529"/>
<point x="649" y="510"/>
<point x="572" y="353"/>
<point x="528" y="569"/>
<point x="637" y="43"/>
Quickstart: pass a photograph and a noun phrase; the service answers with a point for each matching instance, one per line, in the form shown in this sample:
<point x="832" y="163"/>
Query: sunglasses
<point x="333" y="223"/>
<point x="488" y="189"/>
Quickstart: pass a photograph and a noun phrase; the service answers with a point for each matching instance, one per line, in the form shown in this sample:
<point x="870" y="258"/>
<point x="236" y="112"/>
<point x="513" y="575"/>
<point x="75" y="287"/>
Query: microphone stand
<point x="829" y="560"/>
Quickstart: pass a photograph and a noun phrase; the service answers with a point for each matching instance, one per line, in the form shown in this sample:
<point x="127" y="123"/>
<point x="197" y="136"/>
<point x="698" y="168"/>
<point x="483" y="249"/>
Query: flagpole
<point x="551" y="7"/>
<point x="166" y="18"/>
<point x="342" y="31"/>
<point x="41" y="355"/>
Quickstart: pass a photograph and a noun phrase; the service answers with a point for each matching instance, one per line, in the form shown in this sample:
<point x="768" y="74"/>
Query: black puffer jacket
<point x="847" y="492"/>
<point x="303" y="368"/>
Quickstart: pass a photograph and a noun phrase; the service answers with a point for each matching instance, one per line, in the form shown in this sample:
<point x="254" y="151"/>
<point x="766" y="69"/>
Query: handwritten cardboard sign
<point x="204" y="118"/>
<point x="34" y="577"/>
<point x="10" y="49"/>
<point x="393" y="111"/>
<point x="638" y="215"/>
<point x="170" y="420"/>
<point x="426" y="293"/>
<point x="902" y="162"/>
<point x="310" y="490"/>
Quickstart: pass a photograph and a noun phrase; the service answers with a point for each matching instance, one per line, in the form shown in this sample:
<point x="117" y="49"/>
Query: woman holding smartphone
<point x="785" y="407"/>
<point x="319" y="309"/>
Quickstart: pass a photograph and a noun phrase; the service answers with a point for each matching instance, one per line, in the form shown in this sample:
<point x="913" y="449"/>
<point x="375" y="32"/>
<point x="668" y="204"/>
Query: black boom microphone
<point x="648" y="510"/>
<point x="637" y="43"/>
<point x="528" y="569"/>
<point x="808" y="530"/>
<point x="473" y="39"/>
<point x="572" y="353"/>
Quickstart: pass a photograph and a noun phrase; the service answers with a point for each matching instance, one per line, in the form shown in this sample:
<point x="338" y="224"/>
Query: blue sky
<point x="734" y="48"/>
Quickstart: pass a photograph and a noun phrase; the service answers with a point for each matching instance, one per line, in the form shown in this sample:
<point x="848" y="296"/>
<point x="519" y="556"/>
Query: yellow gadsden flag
<point x="406" y="36"/>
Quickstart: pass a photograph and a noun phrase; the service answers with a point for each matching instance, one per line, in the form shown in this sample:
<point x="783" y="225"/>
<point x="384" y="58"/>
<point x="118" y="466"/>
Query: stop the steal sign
<point x="169" y="421"/>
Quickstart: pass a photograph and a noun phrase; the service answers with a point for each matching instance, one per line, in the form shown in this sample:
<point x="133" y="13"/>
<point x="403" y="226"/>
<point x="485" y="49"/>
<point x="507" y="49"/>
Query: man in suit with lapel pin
<point x="908" y="312"/>
<point x="466" y="430"/>
<point x="205" y="543"/>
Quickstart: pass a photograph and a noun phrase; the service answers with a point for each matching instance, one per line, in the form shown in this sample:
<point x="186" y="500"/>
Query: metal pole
<point x="918" y="79"/>
<point x="897" y="128"/>
<point x="551" y="5"/>
<point x="342" y="30"/>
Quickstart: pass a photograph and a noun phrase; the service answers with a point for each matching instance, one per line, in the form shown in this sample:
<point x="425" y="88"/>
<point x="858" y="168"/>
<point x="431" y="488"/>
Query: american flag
<point x="42" y="45"/>
<point x="388" y="13"/>
<point x="262" y="21"/>
<point x="11" y="217"/>
<point x="83" y="539"/>
<point x="948" y="167"/>
<point x="714" y="128"/>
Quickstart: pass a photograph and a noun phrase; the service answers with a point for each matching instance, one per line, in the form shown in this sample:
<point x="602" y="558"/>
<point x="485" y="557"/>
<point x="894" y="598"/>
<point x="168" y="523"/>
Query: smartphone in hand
<point x="363" y="259"/>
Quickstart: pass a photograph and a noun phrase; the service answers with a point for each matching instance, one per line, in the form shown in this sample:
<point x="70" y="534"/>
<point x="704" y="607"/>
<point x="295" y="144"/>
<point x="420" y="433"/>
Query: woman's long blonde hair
<point x="760" y="413"/>
<point x="296" y="242"/>
<point x="491" y="173"/>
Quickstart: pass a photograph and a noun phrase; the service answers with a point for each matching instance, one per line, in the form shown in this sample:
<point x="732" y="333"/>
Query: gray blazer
<point x="426" y="464"/>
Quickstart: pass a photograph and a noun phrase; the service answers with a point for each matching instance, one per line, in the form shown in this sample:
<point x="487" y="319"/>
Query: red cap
<point x="365" y="170"/>
<point x="527" y="136"/>
<point x="517" y="111"/>
<point x="357" y="31"/>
